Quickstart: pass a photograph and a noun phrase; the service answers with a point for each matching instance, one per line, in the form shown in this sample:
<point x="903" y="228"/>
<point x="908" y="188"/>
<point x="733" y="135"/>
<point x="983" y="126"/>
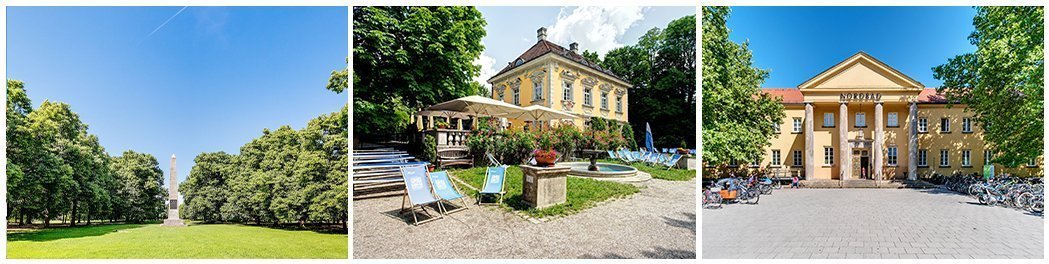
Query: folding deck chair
<point x="417" y="191"/>
<point x="672" y="161"/>
<point x="442" y="185"/>
<point x="494" y="184"/>
<point x="612" y="155"/>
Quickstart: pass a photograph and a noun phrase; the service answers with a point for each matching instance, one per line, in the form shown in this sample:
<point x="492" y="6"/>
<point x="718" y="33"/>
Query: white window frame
<point x="537" y="91"/>
<point x="619" y="104"/>
<point x="517" y="96"/>
<point x="967" y="125"/>
<point x="1032" y="163"/>
<point x="923" y="157"/>
<point x="923" y="125"/>
<point x="986" y="157"/>
<point x="776" y="129"/>
<point x="755" y="164"/>
<point x="776" y="158"/>
<point x="893" y="119"/>
<point x="945" y="125"/>
<point x="828" y="119"/>
<point x="588" y="97"/>
<point x="797" y="158"/>
<point x="567" y="90"/>
<point x="828" y="156"/>
<point x="967" y="158"/>
<point x="892" y="155"/>
<point x="604" y="100"/>
<point x="796" y="125"/>
<point x="945" y="158"/>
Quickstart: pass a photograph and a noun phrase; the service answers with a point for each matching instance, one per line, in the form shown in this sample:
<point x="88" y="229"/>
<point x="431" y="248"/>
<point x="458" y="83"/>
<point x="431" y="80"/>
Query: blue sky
<point x="209" y="80"/>
<point x="512" y="30"/>
<point x="797" y="43"/>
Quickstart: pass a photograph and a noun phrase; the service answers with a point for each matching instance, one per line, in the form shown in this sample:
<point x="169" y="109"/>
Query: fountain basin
<point x="604" y="170"/>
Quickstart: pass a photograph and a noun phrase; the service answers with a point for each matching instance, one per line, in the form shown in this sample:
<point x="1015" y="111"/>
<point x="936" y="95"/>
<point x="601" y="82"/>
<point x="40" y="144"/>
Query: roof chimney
<point x="574" y="47"/>
<point x="541" y="33"/>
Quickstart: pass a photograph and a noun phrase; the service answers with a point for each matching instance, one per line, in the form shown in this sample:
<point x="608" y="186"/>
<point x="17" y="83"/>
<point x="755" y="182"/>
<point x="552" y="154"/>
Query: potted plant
<point x="683" y="149"/>
<point x="442" y="124"/>
<point x="545" y="155"/>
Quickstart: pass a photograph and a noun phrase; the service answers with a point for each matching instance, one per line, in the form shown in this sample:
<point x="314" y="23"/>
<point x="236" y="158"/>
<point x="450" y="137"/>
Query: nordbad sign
<point x="860" y="97"/>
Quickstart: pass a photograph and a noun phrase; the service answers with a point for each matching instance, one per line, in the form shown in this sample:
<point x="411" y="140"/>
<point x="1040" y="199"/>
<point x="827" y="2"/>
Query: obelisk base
<point x="173" y="219"/>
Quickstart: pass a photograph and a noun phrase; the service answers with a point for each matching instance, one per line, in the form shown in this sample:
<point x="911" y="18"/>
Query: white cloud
<point x="487" y="64"/>
<point x="594" y="28"/>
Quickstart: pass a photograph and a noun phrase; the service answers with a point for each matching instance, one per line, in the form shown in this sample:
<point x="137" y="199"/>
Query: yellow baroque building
<point x="549" y="75"/>
<point x="862" y="119"/>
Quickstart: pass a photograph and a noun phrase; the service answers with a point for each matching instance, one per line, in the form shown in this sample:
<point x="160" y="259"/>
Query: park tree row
<point x="284" y="176"/>
<point x="57" y="170"/>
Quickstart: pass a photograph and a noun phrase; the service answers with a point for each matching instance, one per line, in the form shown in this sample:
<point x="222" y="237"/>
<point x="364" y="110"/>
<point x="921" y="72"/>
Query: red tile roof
<point x="789" y="95"/>
<point x="930" y="96"/>
<point x="542" y="48"/>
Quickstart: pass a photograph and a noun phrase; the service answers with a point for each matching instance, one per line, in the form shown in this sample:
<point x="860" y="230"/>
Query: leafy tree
<point x="662" y="68"/>
<point x="204" y="191"/>
<point x="1002" y="82"/>
<point x="339" y="80"/>
<point x="140" y="186"/>
<point x="738" y="119"/>
<point x="406" y="58"/>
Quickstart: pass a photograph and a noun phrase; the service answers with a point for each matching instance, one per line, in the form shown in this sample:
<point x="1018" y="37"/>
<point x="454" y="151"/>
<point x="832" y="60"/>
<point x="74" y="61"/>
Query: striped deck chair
<point x="612" y="154"/>
<point x="672" y="161"/>
<point x="417" y="191"/>
<point x="494" y="184"/>
<point x="624" y="155"/>
<point x="447" y="191"/>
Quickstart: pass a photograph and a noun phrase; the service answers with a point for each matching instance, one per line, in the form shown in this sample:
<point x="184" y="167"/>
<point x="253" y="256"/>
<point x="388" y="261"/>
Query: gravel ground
<point x="658" y="222"/>
<point x="872" y="224"/>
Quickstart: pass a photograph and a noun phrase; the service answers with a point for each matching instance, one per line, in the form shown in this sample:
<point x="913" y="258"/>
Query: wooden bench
<point x="450" y="156"/>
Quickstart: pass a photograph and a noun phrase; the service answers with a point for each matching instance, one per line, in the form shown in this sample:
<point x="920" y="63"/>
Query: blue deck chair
<point x="417" y="191"/>
<point x="611" y="154"/>
<point x="624" y="155"/>
<point x="672" y="161"/>
<point x="494" y="184"/>
<point x="442" y="185"/>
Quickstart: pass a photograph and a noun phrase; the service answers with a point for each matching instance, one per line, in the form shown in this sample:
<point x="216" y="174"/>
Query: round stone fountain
<point x="609" y="171"/>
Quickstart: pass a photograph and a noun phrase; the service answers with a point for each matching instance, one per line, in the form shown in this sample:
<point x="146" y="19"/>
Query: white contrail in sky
<point x="162" y="24"/>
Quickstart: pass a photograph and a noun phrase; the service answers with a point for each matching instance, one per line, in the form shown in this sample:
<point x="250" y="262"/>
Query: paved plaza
<point x="870" y="223"/>
<point x="658" y="222"/>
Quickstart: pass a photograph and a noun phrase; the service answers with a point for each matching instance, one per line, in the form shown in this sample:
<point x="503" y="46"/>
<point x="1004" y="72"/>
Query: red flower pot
<point x="545" y="158"/>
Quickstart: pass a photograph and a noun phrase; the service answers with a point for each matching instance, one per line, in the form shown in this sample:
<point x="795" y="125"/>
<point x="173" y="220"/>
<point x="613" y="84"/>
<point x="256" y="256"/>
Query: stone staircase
<point x="891" y="184"/>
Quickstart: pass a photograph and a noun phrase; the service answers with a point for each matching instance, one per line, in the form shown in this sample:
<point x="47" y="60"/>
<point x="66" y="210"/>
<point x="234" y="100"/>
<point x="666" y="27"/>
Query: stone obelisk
<point x="173" y="219"/>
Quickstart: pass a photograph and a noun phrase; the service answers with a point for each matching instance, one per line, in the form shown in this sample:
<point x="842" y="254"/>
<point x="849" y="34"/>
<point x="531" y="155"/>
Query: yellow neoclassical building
<point x="862" y="119"/>
<point x="549" y="75"/>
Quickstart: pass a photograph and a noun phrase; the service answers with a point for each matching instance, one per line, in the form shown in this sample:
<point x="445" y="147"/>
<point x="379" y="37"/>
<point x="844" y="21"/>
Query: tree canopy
<point x="738" y="119"/>
<point x="406" y="58"/>
<point x="662" y="68"/>
<point x="1002" y="82"/>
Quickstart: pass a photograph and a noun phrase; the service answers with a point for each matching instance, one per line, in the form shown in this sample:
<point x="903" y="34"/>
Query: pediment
<point x="861" y="71"/>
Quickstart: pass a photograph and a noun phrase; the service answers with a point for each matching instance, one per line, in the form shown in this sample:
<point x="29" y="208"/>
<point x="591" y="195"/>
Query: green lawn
<point x="582" y="193"/>
<point x="659" y="172"/>
<point x="151" y="241"/>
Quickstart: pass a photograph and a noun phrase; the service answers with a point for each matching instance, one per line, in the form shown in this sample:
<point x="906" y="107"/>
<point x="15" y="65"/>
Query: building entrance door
<point x="861" y="164"/>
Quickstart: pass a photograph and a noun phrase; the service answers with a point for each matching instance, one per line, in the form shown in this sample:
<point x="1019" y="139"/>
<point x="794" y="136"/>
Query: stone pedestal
<point x="544" y="186"/>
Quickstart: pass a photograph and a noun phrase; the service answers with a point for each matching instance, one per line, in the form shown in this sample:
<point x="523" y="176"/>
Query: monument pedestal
<point x="173" y="219"/>
<point x="544" y="186"/>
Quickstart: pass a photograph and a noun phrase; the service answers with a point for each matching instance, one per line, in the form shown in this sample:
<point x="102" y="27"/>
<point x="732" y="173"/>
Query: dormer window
<point x="518" y="62"/>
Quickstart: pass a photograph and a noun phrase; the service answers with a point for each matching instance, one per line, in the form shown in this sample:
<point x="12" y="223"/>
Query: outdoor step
<point x="894" y="184"/>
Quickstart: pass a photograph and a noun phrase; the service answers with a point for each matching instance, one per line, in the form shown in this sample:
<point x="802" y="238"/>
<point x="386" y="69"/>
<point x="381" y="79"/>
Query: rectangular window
<point x="567" y="92"/>
<point x="587" y="97"/>
<point x="967" y="158"/>
<point x="828" y="119"/>
<point x="893" y="120"/>
<point x="619" y="104"/>
<point x="604" y="100"/>
<point x="986" y="157"/>
<point x="892" y="156"/>
<point x="923" y="125"/>
<point x="923" y="157"/>
<point x="797" y="125"/>
<point x="828" y="156"/>
<point x="537" y="91"/>
<point x="1032" y="163"/>
<point x="776" y="158"/>
<point x="756" y="163"/>
<point x="797" y="158"/>
<point x="733" y="163"/>
<point x="517" y="97"/>
<point x="945" y="158"/>
<point x="945" y="125"/>
<point x="861" y="120"/>
<point x="775" y="128"/>
<point x="967" y="126"/>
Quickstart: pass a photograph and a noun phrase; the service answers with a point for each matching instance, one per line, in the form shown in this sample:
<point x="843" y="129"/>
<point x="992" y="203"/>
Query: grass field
<point x="582" y="193"/>
<point x="151" y="241"/>
<point x="658" y="172"/>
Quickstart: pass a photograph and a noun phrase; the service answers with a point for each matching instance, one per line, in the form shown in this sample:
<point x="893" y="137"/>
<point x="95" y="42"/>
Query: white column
<point x="912" y="144"/>
<point x="879" y="141"/>
<point x="810" y="167"/>
<point x="845" y="158"/>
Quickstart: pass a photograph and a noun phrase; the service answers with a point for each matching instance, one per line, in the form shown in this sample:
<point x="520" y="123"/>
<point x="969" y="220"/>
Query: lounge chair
<point x="672" y="161"/>
<point x="494" y="184"/>
<point x="624" y="155"/>
<point x="417" y="191"/>
<point x="612" y="155"/>
<point x="447" y="191"/>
